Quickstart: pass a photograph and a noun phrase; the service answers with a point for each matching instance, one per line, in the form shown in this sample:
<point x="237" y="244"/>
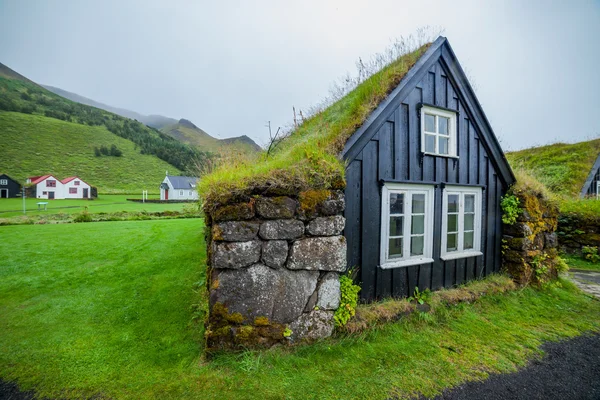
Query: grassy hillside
<point x="187" y="132"/>
<point x="18" y="94"/>
<point x="37" y="145"/>
<point x="562" y="167"/>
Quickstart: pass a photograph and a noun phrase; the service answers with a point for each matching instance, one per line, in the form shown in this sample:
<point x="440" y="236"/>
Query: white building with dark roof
<point x="179" y="188"/>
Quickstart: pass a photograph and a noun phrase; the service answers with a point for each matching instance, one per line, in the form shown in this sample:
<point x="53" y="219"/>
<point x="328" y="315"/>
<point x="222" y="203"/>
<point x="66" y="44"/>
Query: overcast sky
<point x="230" y="66"/>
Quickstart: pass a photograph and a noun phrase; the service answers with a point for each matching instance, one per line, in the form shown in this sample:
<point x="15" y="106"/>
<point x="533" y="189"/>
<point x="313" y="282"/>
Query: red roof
<point x="69" y="179"/>
<point x="37" y="179"/>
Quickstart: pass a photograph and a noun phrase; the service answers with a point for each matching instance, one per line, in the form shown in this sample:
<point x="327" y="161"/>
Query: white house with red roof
<point x="49" y="187"/>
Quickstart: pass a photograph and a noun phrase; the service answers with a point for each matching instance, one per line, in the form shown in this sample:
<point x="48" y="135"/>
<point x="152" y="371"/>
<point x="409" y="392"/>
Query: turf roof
<point x="309" y="157"/>
<point x="561" y="167"/>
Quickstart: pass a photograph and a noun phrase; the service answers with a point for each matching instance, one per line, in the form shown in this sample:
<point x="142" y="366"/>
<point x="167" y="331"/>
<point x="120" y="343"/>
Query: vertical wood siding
<point x="394" y="154"/>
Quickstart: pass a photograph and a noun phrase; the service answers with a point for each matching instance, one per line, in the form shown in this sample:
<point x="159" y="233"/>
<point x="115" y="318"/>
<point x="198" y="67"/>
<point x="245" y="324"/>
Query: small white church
<point x="179" y="188"/>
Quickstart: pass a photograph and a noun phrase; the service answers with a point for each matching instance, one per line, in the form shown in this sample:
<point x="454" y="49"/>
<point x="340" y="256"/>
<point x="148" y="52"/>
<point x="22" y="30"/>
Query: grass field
<point x="37" y="145"/>
<point x="580" y="263"/>
<point x="104" y="203"/>
<point x="114" y="318"/>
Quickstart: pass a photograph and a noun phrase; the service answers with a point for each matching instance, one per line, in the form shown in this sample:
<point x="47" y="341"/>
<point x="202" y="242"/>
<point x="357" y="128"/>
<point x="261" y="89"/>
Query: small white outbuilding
<point x="179" y="188"/>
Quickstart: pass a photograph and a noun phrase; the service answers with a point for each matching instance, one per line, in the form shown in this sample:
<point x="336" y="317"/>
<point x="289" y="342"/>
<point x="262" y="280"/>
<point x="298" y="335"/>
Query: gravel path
<point x="569" y="370"/>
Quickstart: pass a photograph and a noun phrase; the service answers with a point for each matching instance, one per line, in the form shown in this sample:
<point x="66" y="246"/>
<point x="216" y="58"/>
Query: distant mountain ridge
<point x="183" y="130"/>
<point x="154" y="121"/>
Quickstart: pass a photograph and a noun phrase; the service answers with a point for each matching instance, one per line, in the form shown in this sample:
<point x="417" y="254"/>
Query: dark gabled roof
<point x="440" y="50"/>
<point x="590" y="178"/>
<point x="183" y="182"/>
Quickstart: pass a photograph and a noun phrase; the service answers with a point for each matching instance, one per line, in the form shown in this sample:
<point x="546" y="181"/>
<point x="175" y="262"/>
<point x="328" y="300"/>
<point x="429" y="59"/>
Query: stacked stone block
<point x="530" y="244"/>
<point x="274" y="268"/>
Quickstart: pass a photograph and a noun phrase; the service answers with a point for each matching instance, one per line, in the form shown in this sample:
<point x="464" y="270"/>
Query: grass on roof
<point x="562" y="167"/>
<point x="308" y="157"/>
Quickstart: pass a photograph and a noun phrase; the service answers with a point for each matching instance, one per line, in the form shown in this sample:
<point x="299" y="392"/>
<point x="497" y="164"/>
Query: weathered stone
<point x="296" y="289"/>
<point x="518" y="243"/>
<point x="235" y="231"/>
<point x="329" y="292"/>
<point x="234" y="212"/>
<point x="276" y="207"/>
<point x="518" y="229"/>
<point x="235" y="254"/>
<point x="274" y="253"/>
<point x="281" y="229"/>
<point x="316" y="324"/>
<point x="312" y="301"/>
<point x="538" y="241"/>
<point x="332" y="207"/>
<point x="326" y="226"/>
<point x="319" y="253"/>
<point x="252" y="291"/>
<point x="260" y="291"/>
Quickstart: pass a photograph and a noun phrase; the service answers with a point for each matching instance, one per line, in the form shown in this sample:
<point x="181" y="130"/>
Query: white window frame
<point x="598" y="190"/>
<point x="407" y="259"/>
<point x="460" y="252"/>
<point x="4" y="182"/>
<point x="452" y="142"/>
<point x="181" y="192"/>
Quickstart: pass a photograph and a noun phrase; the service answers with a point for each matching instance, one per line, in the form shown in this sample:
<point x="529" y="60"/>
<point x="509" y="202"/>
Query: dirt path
<point x="588" y="281"/>
<point x="569" y="370"/>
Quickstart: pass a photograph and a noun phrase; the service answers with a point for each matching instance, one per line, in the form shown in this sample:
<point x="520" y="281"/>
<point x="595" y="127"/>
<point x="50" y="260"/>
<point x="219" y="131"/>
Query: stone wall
<point x="274" y="265"/>
<point x="576" y="230"/>
<point x="529" y="246"/>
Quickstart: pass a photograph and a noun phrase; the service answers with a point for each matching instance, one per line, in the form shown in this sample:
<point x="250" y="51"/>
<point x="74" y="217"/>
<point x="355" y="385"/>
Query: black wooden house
<point x="425" y="174"/>
<point x="591" y="187"/>
<point x="9" y="187"/>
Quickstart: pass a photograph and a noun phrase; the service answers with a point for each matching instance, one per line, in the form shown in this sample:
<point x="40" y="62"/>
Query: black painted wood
<point x="392" y="153"/>
<point x="12" y="187"/>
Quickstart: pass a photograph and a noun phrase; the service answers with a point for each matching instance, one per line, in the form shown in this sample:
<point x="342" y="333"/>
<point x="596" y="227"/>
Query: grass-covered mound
<point x="308" y="157"/>
<point x="562" y="167"/>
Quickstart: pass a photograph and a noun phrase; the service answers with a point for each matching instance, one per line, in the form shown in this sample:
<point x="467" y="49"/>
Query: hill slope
<point x="186" y="132"/>
<point x="154" y="121"/>
<point x="37" y="145"/>
<point x="18" y="94"/>
<point x="562" y="167"/>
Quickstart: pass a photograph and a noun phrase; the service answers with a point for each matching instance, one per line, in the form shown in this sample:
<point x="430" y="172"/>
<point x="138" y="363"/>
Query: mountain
<point x="182" y="130"/>
<point x="43" y="132"/>
<point x="186" y="132"/>
<point x="562" y="167"/>
<point x="154" y="121"/>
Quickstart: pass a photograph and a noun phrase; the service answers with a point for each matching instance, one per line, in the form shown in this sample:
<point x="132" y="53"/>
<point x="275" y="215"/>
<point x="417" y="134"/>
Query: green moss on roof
<point x="562" y="167"/>
<point x="309" y="157"/>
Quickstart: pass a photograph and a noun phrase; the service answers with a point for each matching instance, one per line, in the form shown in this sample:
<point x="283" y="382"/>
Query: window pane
<point x="468" y="240"/>
<point x="452" y="203"/>
<point x="418" y="203"/>
<point x="443" y="125"/>
<point x="395" y="248"/>
<point x="430" y="143"/>
<point x="469" y="203"/>
<point x="451" y="245"/>
<point x="396" y="226"/>
<point x="418" y="225"/>
<point x="443" y="146"/>
<point x="416" y="245"/>
<point x="452" y="222"/>
<point x="396" y="203"/>
<point x="469" y="218"/>
<point x="429" y="123"/>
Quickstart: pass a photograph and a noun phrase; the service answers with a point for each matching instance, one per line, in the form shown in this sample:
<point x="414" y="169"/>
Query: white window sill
<point x="406" y="263"/>
<point x="440" y="155"/>
<point x="462" y="254"/>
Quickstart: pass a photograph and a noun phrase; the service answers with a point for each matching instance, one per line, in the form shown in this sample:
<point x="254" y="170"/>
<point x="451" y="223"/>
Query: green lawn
<point x="104" y="203"/>
<point x="580" y="263"/>
<point x="107" y="310"/>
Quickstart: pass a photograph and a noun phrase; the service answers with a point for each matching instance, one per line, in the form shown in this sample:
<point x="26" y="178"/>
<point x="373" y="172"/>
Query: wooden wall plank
<point x="371" y="220"/>
<point x="400" y="282"/>
<point x="489" y="232"/>
<point x="470" y="268"/>
<point x="461" y="266"/>
<point x="353" y="195"/>
<point x="386" y="171"/>
<point x="414" y="138"/>
<point x="413" y="276"/>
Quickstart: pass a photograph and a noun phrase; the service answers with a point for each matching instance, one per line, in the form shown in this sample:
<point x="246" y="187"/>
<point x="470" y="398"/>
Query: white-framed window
<point x="407" y="225"/>
<point x="438" y="131"/>
<point x="181" y="192"/>
<point x="190" y="193"/>
<point x="3" y="182"/>
<point x="461" y="222"/>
